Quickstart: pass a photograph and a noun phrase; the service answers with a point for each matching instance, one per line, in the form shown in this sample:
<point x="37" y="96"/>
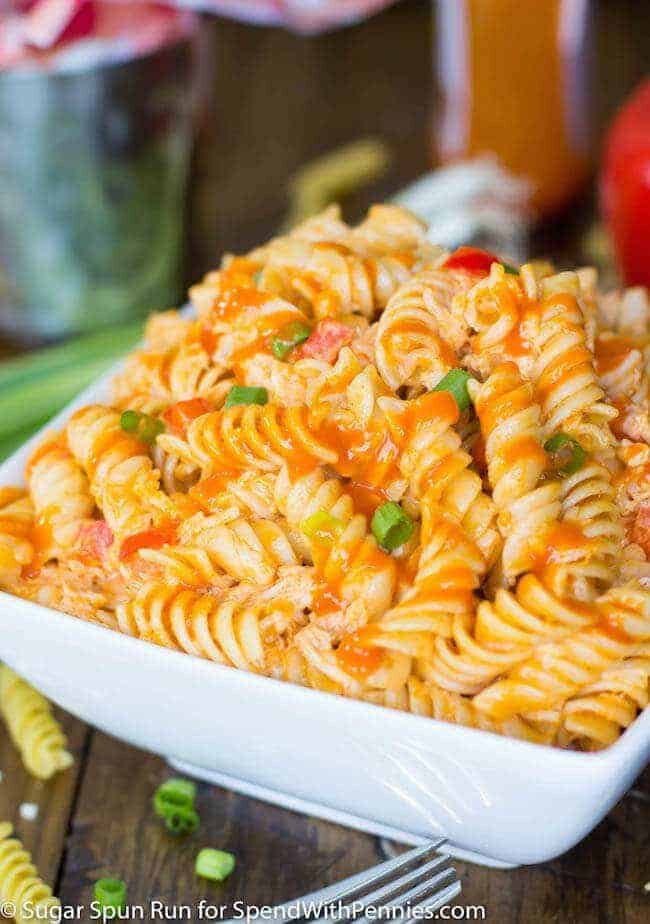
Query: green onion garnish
<point x="149" y="429"/>
<point x="246" y="394"/>
<point x="173" y="793"/>
<point x="289" y="337"/>
<point x="129" y="421"/>
<point x="456" y="383"/>
<point x="569" y="456"/>
<point x="509" y="268"/>
<point x="391" y="527"/>
<point x="322" y="525"/>
<point x="182" y="820"/>
<point x="215" y="865"/>
<point x="143" y="426"/>
<point x="110" y="893"/>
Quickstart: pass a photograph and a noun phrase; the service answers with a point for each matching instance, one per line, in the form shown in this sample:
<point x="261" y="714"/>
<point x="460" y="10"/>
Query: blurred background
<point x="138" y="143"/>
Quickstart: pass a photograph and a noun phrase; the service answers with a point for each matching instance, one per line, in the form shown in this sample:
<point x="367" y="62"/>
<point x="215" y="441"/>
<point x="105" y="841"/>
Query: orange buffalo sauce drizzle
<point x="562" y="369"/>
<point x="357" y="653"/>
<point x="154" y="538"/>
<point x="415" y="328"/>
<point x="611" y="351"/>
<point x="557" y="544"/>
<point x="525" y="449"/>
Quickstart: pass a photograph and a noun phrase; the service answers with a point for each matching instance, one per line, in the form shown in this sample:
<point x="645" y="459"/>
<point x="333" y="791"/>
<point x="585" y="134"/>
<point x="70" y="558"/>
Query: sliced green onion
<point x="215" y="865"/>
<point x="289" y="337"/>
<point x="149" y="429"/>
<point x="322" y="525"/>
<point x="390" y="526"/>
<point x="110" y="893"/>
<point x="129" y="421"/>
<point x="569" y="455"/>
<point x="173" y="793"/>
<point x="509" y="268"/>
<point x="182" y="820"/>
<point x="246" y="394"/>
<point x="456" y="383"/>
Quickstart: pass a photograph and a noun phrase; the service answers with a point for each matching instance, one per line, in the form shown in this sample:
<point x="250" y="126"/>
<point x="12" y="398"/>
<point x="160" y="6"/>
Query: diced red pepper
<point x="95" y="539"/>
<point x="326" y="341"/>
<point x="180" y="415"/>
<point x="625" y="186"/>
<point x="472" y="259"/>
<point x="154" y="538"/>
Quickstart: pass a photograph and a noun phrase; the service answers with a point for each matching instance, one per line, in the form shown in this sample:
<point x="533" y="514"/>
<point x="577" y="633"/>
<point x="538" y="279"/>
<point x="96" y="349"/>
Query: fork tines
<point x="407" y="885"/>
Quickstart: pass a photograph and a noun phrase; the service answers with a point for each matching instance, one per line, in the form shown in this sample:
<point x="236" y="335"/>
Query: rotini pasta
<point x="20" y="884"/>
<point x="374" y="468"/>
<point x="33" y="728"/>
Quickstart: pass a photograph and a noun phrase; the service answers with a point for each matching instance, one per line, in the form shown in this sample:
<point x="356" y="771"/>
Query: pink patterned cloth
<point x="37" y="32"/>
<point x="62" y="33"/>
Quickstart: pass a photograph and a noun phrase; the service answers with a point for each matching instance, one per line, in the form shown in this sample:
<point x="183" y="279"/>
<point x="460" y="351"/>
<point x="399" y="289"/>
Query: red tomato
<point x="472" y="259"/>
<point x="154" y="538"/>
<point x="326" y="340"/>
<point x="625" y="186"/>
<point x="95" y="539"/>
<point x="180" y="415"/>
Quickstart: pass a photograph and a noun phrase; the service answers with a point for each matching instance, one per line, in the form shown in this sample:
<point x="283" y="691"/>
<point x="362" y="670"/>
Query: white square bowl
<point x="507" y="801"/>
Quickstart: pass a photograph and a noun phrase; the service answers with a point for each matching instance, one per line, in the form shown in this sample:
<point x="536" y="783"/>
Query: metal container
<point x="93" y="172"/>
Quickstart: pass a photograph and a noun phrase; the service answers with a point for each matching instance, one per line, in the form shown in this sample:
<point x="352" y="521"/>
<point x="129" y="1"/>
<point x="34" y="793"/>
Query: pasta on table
<point x="375" y="468"/>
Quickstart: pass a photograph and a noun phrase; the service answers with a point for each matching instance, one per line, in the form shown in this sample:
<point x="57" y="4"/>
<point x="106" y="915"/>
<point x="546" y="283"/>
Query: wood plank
<point x="280" y="855"/>
<point x="44" y="837"/>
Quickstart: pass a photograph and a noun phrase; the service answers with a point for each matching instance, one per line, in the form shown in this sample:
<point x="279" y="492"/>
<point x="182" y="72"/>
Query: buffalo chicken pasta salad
<point x="376" y="468"/>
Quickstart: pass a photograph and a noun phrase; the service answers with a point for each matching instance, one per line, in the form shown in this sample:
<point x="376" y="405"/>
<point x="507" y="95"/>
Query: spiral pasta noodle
<point x="558" y="670"/>
<point x="566" y="383"/>
<point x="235" y="631"/>
<point x="250" y="436"/>
<point x="122" y="478"/>
<point x="16" y="522"/>
<point x="20" y="884"/>
<point x="597" y="714"/>
<point x="502" y="633"/>
<point x="420" y="335"/>
<point x="516" y="460"/>
<point x="61" y="494"/>
<point x="33" y="728"/>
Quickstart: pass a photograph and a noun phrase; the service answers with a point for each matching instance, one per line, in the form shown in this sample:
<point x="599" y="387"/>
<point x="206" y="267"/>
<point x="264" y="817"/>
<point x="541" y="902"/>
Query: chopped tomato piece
<point x="326" y="341"/>
<point x="154" y="538"/>
<point x="180" y="415"/>
<point x="95" y="539"/>
<point x="472" y="259"/>
<point x="641" y="529"/>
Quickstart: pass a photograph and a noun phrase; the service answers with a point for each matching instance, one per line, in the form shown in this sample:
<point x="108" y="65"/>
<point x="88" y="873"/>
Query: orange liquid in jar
<point x="512" y="74"/>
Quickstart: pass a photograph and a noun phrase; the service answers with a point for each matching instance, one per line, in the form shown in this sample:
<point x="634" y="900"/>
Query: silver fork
<point x="419" y="879"/>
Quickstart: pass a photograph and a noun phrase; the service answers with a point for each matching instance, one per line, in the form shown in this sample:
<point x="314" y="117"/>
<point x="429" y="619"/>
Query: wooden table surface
<point x="281" y="100"/>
